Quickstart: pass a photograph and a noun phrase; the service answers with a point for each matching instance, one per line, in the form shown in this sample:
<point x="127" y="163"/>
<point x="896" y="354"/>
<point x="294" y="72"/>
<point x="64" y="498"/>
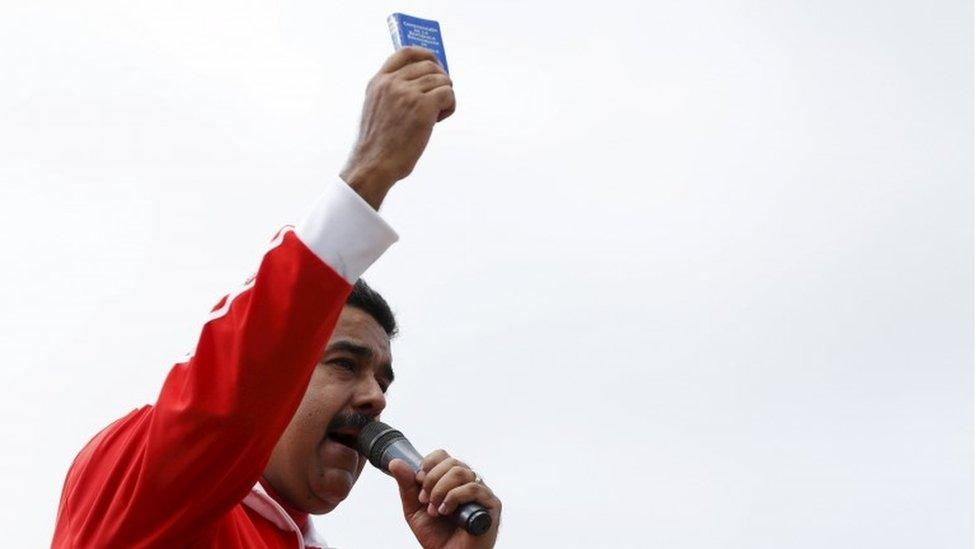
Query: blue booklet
<point x="414" y="31"/>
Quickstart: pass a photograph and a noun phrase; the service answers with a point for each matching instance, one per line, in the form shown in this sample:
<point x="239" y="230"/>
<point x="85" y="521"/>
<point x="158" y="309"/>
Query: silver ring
<point x="478" y="479"/>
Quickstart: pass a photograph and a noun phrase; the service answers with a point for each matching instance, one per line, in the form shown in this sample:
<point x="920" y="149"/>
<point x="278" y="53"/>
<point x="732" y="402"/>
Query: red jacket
<point x="185" y="471"/>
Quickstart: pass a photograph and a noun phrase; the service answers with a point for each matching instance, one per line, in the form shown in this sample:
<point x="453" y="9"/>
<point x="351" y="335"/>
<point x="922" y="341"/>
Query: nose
<point x="369" y="398"/>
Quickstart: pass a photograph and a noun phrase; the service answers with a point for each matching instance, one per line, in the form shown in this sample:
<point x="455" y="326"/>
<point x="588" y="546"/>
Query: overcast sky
<point x="676" y="274"/>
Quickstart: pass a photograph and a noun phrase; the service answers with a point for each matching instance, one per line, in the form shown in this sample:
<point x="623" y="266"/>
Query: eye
<point x="345" y="364"/>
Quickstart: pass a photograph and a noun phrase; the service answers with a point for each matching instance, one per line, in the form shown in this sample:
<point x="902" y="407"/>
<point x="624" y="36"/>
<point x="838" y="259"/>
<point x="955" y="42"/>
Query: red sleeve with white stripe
<point x="163" y="474"/>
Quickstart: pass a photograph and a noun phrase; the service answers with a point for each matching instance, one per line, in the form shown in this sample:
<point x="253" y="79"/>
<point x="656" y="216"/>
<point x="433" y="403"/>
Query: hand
<point x="431" y="495"/>
<point x="409" y="94"/>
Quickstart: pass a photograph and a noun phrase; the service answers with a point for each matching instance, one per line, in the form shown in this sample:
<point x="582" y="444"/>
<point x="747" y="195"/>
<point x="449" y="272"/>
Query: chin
<point x="328" y="497"/>
<point x="321" y="507"/>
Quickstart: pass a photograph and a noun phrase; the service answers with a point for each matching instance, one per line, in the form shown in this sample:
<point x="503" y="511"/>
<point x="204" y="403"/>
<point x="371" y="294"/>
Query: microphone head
<point x="374" y="439"/>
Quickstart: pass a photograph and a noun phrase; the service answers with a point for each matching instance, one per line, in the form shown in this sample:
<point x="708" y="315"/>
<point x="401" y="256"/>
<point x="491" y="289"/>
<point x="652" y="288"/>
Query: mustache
<point x="346" y="420"/>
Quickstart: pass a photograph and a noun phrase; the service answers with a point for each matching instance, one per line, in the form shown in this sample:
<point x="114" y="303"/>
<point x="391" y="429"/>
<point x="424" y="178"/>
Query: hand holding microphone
<point x="445" y="503"/>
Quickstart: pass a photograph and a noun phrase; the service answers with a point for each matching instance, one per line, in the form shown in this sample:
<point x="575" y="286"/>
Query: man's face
<point x="312" y="467"/>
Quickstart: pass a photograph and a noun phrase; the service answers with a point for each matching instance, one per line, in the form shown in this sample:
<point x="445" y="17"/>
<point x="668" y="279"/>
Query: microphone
<point x="382" y="444"/>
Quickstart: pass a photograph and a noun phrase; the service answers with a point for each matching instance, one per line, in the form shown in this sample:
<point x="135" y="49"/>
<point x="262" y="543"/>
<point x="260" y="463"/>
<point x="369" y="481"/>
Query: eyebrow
<point x="362" y="352"/>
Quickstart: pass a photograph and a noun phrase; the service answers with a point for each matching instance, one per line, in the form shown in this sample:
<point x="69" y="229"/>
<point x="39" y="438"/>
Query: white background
<point x="676" y="274"/>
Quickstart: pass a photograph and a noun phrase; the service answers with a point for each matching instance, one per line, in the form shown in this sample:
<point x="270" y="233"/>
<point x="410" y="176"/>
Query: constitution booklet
<point x="414" y="31"/>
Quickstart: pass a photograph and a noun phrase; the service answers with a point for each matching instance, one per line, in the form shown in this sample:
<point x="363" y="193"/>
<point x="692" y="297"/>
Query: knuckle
<point x="408" y="51"/>
<point x="452" y="496"/>
<point x="435" y="457"/>
<point x="446" y="94"/>
<point x="469" y="492"/>
<point x="399" y="85"/>
<point x="415" y="53"/>
<point x="378" y="81"/>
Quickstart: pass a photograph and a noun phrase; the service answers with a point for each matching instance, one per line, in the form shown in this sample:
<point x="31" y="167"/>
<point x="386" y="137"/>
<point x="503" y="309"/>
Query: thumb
<point x="409" y="487"/>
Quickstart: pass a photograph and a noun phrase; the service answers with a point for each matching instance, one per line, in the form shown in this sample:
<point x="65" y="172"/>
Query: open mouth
<point x="344" y="428"/>
<point x="345" y="438"/>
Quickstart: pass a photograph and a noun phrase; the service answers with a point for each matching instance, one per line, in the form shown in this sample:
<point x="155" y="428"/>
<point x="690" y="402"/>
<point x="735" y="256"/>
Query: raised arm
<point x="164" y="474"/>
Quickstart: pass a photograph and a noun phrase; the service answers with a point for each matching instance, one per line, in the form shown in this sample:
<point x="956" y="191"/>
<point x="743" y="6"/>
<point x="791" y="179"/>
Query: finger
<point x="456" y="476"/>
<point x="435" y="474"/>
<point x="407" y="55"/>
<point x="444" y="99"/>
<point x="431" y="460"/>
<point x="431" y="81"/>
<point x="468" y="493"/>
<point x="409" y="487"/>
<point x="415" y="70"/>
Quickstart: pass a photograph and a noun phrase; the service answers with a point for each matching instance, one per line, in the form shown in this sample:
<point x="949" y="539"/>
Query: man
<point x="252" y="433"/>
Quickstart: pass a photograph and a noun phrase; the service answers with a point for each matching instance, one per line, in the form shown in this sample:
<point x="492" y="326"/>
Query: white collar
<point x="260" y="501"/>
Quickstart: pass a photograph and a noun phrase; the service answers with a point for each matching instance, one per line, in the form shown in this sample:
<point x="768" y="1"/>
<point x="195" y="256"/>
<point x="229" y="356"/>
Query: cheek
<point x="326" y="386"/>
<point x="322" y="401"/>
<point x="324" y="391"/>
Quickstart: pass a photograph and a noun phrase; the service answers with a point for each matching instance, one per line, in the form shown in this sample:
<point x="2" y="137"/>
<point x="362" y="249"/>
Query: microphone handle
<point x="473" y="517"/>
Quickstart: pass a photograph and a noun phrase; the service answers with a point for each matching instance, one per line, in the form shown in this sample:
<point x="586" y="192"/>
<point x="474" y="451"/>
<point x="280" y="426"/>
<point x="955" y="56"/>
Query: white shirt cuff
<point x="345" y="232"/>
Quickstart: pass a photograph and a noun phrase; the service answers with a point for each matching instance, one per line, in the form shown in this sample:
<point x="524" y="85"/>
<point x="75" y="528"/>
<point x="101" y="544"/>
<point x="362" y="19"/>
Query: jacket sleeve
<point x="161" y="476"/>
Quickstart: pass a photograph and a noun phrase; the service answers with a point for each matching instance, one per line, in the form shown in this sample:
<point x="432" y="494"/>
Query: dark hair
<point x="371" y="302"/>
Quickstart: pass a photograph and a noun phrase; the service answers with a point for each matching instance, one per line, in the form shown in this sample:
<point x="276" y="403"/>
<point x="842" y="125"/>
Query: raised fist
<point x="409" y="94"/>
